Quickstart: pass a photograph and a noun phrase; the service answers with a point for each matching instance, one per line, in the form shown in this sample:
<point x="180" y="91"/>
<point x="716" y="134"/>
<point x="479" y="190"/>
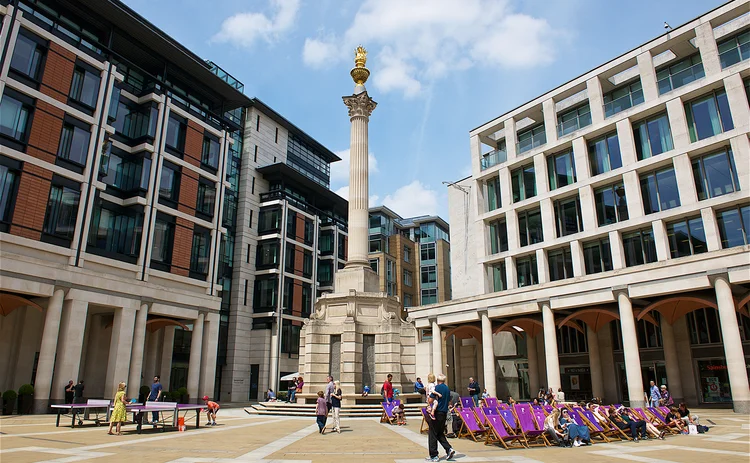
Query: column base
<point x="362" y="279"/>
<point x="741" y="406"/>
<point x="638" y="404"/>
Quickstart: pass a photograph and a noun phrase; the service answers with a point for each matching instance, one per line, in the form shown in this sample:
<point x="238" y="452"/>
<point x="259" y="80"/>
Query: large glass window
<point x="734" y="49"/>
<point x="309" y="231"/>
<point x="200" y="251"/>
<point x="325" y="272"/>
<point x="704" y="326"/>
<point x="176" y="130"/>
<point x="84" y="88"/>
<point x="639" y="247"/>
<point x="560" y="264"/>
<point x="134" y="122"/>
<point x="307" y="299"/>
<point x="429" y="296"/>
<point x="115" y="230"/>
<point x="686" y="237"/>
<point x="62" y="210"/>
<point x="499" y="282"/>
<point x="659" y="191"/>
<point x="611" y="206"/>
<point x="495" y="156"/>
<point x="523" y="183"/>
<point x="8" y="190"/>
<point x="597" y="256"/>
<point x="498" y="236"/>
<point x="169" y="184"/>
<point x="429" y="276"/>
<point x="568" y="216"/>
<point x="427" y="252"/>
<point x="291" y="224"/>
<point x="307" y="264"/>
<point x="126" y="172"/>
<point x="652" y="136"/>
<point x="206" y="198"/>
<point x="531" y="138"/>
<point x="265" y="293"/>
<point x="680" y="73"/>
<point x="604" y="154"/>
<point x="325" y="242"/>
<point x="269" y="220"/>
<point x="573" y="119"/>
<point x="526" y="271"/>
<point x="622" y="98"/>
<point x="210" y="153"/>
<point x="715" y="174"/>
<point x="561" y="170"/>
<point x="74" y="143"/>
<point x="28" y="55"/>
<point x="734" y="226"/>
<point x="289" y="258"/>
<point x="14" y="117"/>
<point x="408" y="278"/>
<point x="493" y="194"/>
<point x="161" y="249"/>
<point x="530" y="226"/>
<point x="708" y="116"/>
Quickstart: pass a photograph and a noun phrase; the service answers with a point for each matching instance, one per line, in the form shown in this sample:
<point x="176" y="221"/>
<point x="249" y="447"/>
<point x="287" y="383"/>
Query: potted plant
<point x="143" y="393"/>
<point x="183" y="395"/>
<point x="25" y="399"/>
<point x="9" y="401"/>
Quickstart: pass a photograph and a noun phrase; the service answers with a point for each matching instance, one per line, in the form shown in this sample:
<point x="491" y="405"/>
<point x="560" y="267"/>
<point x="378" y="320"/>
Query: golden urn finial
<point x="360" y="73"/>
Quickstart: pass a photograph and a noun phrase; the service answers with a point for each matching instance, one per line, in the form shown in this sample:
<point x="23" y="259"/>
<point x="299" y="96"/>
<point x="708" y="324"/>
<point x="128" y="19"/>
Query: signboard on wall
<point x="713" y="389"/>
<point x="575" y="383"/>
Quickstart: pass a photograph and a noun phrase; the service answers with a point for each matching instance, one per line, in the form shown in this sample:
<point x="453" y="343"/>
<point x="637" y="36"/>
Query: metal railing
<point x="624" y="102"/>
<point x="531" y="143"/>
<point x="493" y="158"/>
<point x="735" y="55"/>
<point x="570" y="126"/>
<point x="680" y="78"/>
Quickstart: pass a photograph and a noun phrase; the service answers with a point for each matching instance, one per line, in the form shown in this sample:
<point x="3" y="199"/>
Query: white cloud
<point x="412" y="200"/>
<point x="245" y="29"/>
<point x="340" y="169"/>
<point x="420" y="40"/>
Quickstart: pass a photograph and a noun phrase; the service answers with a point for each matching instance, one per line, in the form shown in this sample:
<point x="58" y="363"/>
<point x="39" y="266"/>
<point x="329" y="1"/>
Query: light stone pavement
<point x="243" y="438"/>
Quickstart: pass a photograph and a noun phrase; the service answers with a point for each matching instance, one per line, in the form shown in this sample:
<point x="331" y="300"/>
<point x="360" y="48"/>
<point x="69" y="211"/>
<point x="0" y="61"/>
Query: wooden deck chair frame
<point x="384" y="418"/>
<point x="593" y="431"/>
<point x="543" y="436"/>
<point x="424" y="426"/>
<point x="493" y="437"/>
<point x="660" y="424"/>
<point x="464" y="431"/>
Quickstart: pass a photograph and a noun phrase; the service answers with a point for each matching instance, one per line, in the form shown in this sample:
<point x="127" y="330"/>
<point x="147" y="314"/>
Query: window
<point x="390" y="277"/>
<point x="206" y="198"/>
<point x="9" y="177"/>
<point x="526" y="271"/>
<point x="115" y="230"/>
<point x="733" y="50"/>
<point x="573" y="119"/>
<point x="568" y="216"/>
<point x="429" y="296"/>
<point x="289" y="258"/>
<point x="597" y="256"/>
<point x="493" y="193"/>
<point x="126" y="173"/>
<point x="659" y="191"/>
<point x="704" y="326"/>
<point x="681" y="73"/>
<point x="531" y="138"/>
<point x="325" y="243"/>
<point x="288" y="296"/>
<point x="429" y="276"/>
<point x="374" y="264"/>
<point x="734" y="226"/>
<point x="325" y="273"/>
<point x="611" y="205"/>
<point x="571" y="341"/>
<point x="114" y="101"/>
<point x="523" y="183"/>
<point x="161" y="248"/>
<point x="561" y="170"/>
<point x="494" y="157"/>
<point x="28" y="55"/>
<point x="376" y="245"/>
<point x="686" y="237"/>
<point x="200" y="251"/>
<point x="499" y="282"/>
<point x="715" y="174"/>
<point x="407" y="278"/>
<point x="309" y="231"/>
<point x="15" y="114"/>
<point x="652" y="136"/>
<point x="530" y="226"/>
<point x="307" y="264"/>
<point x="176" y="130"/>
<point x="269" y="220"/>
<point x="169" y="184"/>
<point x="427" y="252"/>
<point x="62" y="210"/>
<point x="342" y="247"/>
<point x="407" y="300"/>
<point x="708" y="116"/>
<point x="134" y="123"/>
<point x="604" y="154"/>
<point x="307" y="299"/>
<point x="291" y="224"/>
<point x="639" y="247"/>
<point x="498" y="236"/>
<point x="290" y="337"/>
<point x="622" y="98"/>
<point x="560" y="264"/>
<point x="407" y="253"/>
<point x="74" y="143"/>
<point x="265" y="294"/>
<point x="210" y="153"/>
<point x="84" y="89"/>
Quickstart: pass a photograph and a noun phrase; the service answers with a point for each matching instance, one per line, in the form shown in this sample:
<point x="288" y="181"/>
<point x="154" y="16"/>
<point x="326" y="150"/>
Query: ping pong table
<point x="83" y="411"/>
<point x="168" y="413"/>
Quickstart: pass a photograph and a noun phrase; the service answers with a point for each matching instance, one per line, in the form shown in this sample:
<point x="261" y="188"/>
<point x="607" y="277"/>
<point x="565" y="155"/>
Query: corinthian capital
<point x="359" y="105"/>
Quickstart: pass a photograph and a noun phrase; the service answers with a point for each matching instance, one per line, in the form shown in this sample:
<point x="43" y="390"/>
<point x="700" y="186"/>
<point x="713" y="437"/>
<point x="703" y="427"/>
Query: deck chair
<point x="534" y="436"/>
<point x="510" y="418"/>
<point x="548" y="409"/>
<point x="481" y="417"/>
<point x="425" y="426"/>
<point x="491" y="402"/>
<point x="467" y="402"/>
<point x="387" y="416"/>
<point x="503" y="406"/>
<point x="660" y="421"/>
<point x="497" y="433"/>
<point x="490" y="411"/>
<point x="595" y="427"/>
<point x="470" y="427"/>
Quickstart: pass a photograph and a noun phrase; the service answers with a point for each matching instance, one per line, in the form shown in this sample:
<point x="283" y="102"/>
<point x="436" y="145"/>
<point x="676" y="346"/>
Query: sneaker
<point x="576" y="444"/>
<point x="338" y="430"/>
<point x="636" y="440"/>
<point x="451" y="454"/>
<point x="432" y="459"/>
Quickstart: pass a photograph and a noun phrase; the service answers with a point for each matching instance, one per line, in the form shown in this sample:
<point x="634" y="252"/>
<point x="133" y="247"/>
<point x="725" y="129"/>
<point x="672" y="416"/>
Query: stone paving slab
<point x="243" y="438"/>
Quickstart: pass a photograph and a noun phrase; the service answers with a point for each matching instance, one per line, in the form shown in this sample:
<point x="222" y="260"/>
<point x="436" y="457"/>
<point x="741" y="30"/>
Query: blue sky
<point x="439" y="68"/>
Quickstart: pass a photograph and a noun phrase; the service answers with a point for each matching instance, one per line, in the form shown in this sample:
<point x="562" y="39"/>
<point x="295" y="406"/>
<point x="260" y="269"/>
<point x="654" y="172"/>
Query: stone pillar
<point x="730" y="333"/>
<point x="533" y="363"/>
<point x="194" y="366"/>
<point x="550" y="347"/>
<point x="630" y="351"/>
<point x="208" y="361"/>
<point x="119" y="350"/>
<point x="135" y="380"/>
<point x="165" y="363"/>
<point x="437" y="348"/>
<point x="351" y="363"/>
<point x="273" y="358"/>
<point x="69" y="347"/>
<point x="595" y="363"/>
<point x="488" y="355"/>
<point x="674" y="382"/>
<point x="457" y="343"/>
<point x="46" y="364"/>
<point x="151" y="352"/>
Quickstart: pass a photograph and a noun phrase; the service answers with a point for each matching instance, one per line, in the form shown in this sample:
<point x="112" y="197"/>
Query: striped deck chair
<point x="497" y="433"/>
<point x="529" y="429"/>
<point x="425" y="426"/>
<point x="470" y="427"/>
<point x="491" y="402"/>
<point x="387" y="416"/>
<point x="596" y="429"/>
<point x="467" y="402"/>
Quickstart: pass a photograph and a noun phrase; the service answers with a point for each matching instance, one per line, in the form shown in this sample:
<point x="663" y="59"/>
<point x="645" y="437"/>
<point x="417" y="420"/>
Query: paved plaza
<point x="239" y="437"/>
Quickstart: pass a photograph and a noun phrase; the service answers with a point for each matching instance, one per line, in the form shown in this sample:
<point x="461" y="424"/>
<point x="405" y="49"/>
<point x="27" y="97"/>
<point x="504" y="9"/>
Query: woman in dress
<point x="119" y="415"/>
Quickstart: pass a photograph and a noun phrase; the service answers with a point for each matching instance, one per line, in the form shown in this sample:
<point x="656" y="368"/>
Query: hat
<point x="205" y="397"/>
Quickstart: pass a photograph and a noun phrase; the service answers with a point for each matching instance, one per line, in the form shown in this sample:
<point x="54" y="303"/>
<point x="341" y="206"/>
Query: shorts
<point x="212" y="410"/>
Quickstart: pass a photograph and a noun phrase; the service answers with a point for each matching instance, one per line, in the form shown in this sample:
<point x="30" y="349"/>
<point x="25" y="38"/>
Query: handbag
<point x="692" y="429"/>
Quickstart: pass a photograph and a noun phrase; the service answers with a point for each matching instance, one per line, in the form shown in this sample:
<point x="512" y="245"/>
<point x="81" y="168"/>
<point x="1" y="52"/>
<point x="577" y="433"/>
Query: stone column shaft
<point x="136" y="356"/>
<point x="595" y="363"/>
<point x="165" y="363"/>
<point x="120" y="345"/>
<point x="488" y="356"/>
<point x="533" y="363"/>
<point x="208" y="362"/>
<point x="437" y="348"/>
<point x="674" y="383"/>
<point x="46" y="364"/>
<point x="194" y="366"/>
<point x="69" y="347"/>
<point x="630" y="351"/>
<point x="550" y="347"/>
<point x="730" y="333"/>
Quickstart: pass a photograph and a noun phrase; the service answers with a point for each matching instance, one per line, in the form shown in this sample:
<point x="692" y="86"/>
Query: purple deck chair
<point x="528" y="426"/>
<point x="661" y="420"/>
<point x="388" y="416"/>
<point x="595" y="428"/>
<point x="548" y="408"/>
<point x="498" y="433"/>
<point x="425" y="426"/>
<point x="467" y="402"/>
<point x="490" y="411"/>
<point x="502" y="406"/>
<point x="509" y="418"/>
<point x="470" y="427"/>
<point x="491" y="402"/>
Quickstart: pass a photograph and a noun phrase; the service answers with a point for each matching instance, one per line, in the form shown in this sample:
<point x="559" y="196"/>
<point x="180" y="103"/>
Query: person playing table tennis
<point x="211" y="409"/>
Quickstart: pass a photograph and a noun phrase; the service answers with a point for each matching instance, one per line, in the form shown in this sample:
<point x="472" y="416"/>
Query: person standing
<point x="321" y="412"/>
<point x="560" y="395"/>
<point x="119" y="414"/>
<point x="154" y="396"/>
<point x="655" y="395"/>
<point x="388" y="388"/>
<point x="330" y="389"/>
<point x="69" y="392"/>
<point x="474" y="390"/>
<point x="437" y="426"/>
<point x="336" y="403"/>
<point x="78" y="393"/>
<point x="666" y="397"/>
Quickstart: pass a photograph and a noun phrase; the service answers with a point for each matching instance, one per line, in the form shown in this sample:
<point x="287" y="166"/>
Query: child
<point x="321" y="412"/>
<point x="211" y="409"/>
<point x="365" y="391"/>
<point x="270" y="396"/>
<point x="400" y="415"/>
<point x="431" y="401"/>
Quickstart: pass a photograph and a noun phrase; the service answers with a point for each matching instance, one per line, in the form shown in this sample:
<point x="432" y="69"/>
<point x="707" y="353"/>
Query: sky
<point x="439" y="68"/>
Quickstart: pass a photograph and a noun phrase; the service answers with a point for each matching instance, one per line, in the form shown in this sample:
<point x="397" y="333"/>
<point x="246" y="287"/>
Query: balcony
<point x="680" y="78"/>
<point x="225" y="76"/>
<point x="493" y="158"/>
<point x="735" y="55"/>
<point x="570" y="121"/>
<point x="624" y="102"/>
<point x="529" y="143"/>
